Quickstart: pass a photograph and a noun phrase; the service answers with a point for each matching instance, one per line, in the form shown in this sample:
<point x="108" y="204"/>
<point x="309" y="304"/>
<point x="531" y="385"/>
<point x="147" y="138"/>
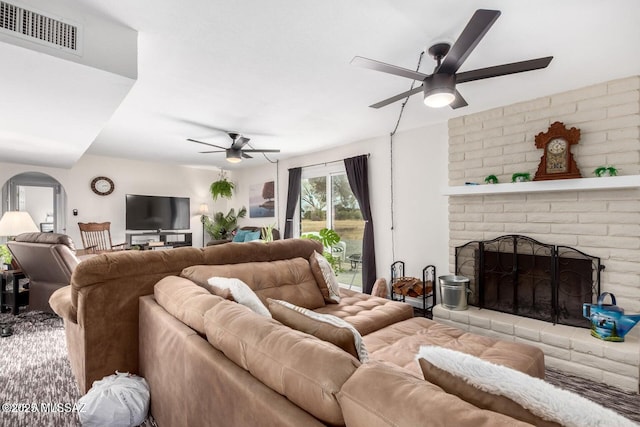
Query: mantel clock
<point x="557" y="161"/>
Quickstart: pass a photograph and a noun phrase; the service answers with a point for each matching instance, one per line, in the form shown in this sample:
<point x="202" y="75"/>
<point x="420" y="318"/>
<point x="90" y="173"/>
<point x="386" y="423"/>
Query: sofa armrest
<point x="379" y="394"/>
<point x="60" y="301"/>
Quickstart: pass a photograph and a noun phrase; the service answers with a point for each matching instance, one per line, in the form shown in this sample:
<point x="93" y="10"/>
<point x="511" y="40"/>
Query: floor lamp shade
<point x="16" y="222"/>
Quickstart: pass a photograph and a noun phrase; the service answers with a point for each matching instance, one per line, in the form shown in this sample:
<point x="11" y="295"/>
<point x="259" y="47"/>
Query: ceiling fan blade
<point x="397" y="97"/>
<point x="477" y="27"/>
<point x="246" y="156"/>
<point x="503" y="70"/>
<point x="387" y="68"/>
<point x="209" y="152"/>
<point x="260" y="151"/>
<point x="193" y="123"/>
<point x="458" y="102"/>
<point x="206" y="143"/>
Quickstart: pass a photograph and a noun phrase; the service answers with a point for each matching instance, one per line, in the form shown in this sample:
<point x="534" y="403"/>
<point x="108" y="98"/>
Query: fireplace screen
<point x="518" y="275"/>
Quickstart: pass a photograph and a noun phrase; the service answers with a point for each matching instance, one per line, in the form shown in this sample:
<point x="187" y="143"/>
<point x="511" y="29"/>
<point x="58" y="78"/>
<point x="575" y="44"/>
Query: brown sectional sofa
<point x="213" y="362"/>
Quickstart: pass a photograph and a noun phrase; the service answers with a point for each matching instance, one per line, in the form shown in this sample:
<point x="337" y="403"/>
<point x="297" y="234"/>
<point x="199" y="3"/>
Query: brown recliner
<point x="47" y="259"/>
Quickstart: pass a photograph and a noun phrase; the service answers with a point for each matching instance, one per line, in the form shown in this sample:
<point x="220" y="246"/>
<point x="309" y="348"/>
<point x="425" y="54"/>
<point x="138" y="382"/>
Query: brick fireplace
<point x="601" y="220"/>
<point x="515" y="274"/>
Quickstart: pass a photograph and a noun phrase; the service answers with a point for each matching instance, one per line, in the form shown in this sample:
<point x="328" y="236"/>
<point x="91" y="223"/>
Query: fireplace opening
<point x="518" y="275"/>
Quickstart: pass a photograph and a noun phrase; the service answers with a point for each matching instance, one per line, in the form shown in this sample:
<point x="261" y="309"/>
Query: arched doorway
<point x="39" y="194"/>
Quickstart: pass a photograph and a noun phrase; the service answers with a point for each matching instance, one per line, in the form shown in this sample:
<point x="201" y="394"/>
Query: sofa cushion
<point x="400" y="342"/>
<point x="380" y="288"/>
<point x="250" y="236"/>
<point x="324" y="326"/>
<point x="241" y="293"/>
<point x="185" y="300"/>
<point x="365" y="312"/>
<point x="379" y="394"/>
<point x="510" y="392"/>
<point x="259" y="252"/>
<point x="289" y="280"/>
<point x="224" y="293"/>
<point x="306" y="370"/>
<point x="325" y="277"/>
<point x="240" y="235"/>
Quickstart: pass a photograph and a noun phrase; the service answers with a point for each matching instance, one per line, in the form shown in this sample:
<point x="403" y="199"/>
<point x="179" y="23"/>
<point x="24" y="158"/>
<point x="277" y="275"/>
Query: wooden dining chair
<point x="96" y="237"/>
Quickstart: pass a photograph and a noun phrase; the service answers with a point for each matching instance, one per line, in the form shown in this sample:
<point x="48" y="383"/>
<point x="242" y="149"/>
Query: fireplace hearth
<point x="518" y="275"/>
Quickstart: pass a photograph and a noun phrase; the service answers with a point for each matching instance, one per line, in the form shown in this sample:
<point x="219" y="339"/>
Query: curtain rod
<point x="332" y="161"/>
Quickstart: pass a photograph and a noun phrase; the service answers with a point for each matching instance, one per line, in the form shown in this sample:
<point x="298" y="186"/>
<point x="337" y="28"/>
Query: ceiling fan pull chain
<point x="407" y="98"/>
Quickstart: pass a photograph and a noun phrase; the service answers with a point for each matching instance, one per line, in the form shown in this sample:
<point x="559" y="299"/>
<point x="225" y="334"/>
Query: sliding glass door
<point x="326" y="201"/>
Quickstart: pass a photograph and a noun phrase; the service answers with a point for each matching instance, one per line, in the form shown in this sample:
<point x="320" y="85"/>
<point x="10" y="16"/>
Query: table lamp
<point x="14" y="223"/>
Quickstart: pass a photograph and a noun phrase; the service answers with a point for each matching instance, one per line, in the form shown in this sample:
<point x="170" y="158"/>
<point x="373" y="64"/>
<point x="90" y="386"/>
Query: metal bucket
<point x="453" y="292"/>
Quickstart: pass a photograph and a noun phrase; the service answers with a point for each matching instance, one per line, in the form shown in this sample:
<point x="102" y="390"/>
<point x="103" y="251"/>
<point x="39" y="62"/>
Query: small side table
<point x="12" y="298"/>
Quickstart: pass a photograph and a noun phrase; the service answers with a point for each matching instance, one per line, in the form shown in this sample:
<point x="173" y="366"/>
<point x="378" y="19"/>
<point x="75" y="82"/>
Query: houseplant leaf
<point x="221" y="188"/>
<point x="222" y="225"/>
<point x="328" y="238"/>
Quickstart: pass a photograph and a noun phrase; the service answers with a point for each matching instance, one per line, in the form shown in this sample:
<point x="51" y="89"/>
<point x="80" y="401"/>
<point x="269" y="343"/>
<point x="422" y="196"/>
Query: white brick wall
<point x="501" y="141"/>
<point x="603" y="223"/>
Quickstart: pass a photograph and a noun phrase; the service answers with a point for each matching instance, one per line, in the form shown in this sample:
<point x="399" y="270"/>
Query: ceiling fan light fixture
<point x="439" y="90"/>
<point x="234" y="156"/>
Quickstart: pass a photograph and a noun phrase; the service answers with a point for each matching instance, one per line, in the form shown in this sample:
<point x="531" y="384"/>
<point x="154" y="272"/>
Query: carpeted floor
<point x="34" y="370"/>
<point x="35" y="374"/>
<point x="623" y="402"/>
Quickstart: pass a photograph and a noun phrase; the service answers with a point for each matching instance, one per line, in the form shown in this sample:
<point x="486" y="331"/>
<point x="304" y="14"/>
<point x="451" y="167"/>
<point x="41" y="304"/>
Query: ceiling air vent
<point x="38" y="27"/>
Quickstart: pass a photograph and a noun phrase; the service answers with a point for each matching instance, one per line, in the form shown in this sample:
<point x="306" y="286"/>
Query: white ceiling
<point x="278" y="71"/>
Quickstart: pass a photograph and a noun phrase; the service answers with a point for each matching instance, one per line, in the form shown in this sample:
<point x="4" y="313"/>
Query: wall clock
<point x="102" y="185"/>
<point x="557" y="161"/>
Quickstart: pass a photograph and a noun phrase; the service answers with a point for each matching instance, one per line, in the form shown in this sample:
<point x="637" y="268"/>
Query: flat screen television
<point x="157" y="213"/>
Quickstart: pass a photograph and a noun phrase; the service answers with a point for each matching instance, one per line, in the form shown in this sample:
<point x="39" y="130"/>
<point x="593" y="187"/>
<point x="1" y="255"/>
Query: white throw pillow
<point x="242" y="293"/>
<point x="363" y="354"/>
<point x="329" y="277"/>
<point x="471" y="376"/>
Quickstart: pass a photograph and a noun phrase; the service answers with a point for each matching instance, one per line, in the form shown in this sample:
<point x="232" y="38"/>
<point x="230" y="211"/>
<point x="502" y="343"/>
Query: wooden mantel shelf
<point x="580" y="184"/>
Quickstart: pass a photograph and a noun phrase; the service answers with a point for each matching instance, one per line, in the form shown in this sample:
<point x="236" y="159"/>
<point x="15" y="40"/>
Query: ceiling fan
<point x="236" y="152"/>
<point x="440" y="87"/>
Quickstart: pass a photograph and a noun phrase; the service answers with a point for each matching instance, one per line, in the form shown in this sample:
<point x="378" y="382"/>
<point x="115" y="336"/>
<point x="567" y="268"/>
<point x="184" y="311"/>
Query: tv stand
<point x="159" y="239"/>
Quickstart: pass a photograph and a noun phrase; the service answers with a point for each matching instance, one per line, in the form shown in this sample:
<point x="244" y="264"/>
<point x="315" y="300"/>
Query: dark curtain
<point x="292" y="200"/>
<point x="358" y="175"/>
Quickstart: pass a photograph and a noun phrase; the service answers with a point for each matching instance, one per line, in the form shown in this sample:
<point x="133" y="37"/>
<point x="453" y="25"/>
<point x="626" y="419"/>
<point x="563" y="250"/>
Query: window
<point x="326" y="201"/>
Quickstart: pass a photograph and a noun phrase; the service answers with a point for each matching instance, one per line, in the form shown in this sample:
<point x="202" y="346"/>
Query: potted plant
<point x="221" y="226"/>
<point x="328" y="238"/>
<point x="491" y="179"/>
<point x="521" y="177"/>
<point x="267" y="232"/>
<point x="606" y="171"/>
<point x="5" y="256"/>
<point x="222" y="187"/>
